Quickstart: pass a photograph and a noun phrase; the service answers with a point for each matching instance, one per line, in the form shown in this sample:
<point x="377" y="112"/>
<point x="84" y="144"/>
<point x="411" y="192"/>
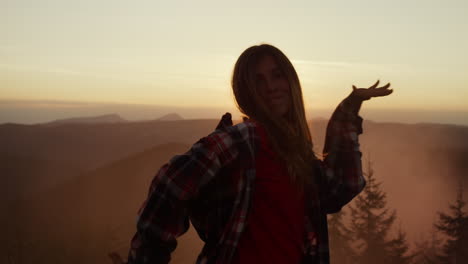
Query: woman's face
<point x="273" y="86"/>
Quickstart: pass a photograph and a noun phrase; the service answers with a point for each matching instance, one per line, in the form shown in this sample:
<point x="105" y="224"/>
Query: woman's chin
<point x="280" y="113"/>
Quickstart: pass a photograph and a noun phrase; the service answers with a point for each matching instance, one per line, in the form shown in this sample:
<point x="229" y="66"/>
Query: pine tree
<point x="428" y="250"/>
<point x="340" y="239"/>
<point x="398" y="251"/>
<point x="455" y="227"/>
<point x="371" y="222"/>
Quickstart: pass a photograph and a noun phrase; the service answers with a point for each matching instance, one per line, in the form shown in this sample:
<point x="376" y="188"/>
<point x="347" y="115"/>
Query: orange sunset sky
<point x="179" y="54"/>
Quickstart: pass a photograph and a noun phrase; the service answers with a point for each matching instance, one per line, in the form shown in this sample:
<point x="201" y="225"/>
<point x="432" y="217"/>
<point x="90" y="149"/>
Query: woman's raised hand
<point x="373" y="91"/>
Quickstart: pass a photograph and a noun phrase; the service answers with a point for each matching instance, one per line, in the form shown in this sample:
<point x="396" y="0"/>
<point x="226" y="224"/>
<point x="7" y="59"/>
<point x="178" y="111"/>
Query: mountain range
<point x="79" y="185"/>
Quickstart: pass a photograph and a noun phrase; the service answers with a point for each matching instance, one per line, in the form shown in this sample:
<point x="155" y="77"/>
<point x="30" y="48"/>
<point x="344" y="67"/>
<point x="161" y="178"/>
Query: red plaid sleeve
<point x="341" y="166"/>
<point x="164" y="215"/>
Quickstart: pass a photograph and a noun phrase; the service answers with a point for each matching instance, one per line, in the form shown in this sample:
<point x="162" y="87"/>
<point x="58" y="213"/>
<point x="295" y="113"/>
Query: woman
<point x="256" y="192"/>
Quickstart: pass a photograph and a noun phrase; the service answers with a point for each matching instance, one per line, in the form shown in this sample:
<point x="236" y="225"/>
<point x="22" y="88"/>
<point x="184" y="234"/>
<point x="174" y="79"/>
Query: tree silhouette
<point x="371" y="222"/>
<point x="340" y="239"/>
<point x="398" y="251"/>
<point x="428" y="250"/>
<point x="455" y="226"/>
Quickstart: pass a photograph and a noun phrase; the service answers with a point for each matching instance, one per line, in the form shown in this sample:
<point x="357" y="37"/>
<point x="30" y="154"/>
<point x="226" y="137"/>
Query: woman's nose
<point x="270" y="86"/>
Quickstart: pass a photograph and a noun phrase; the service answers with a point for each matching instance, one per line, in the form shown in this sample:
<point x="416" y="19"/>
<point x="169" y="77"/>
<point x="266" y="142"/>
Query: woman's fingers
<point x="385" y="86"/>
<point x="373" y="91"/>
<point x="375" y="85"/>
<point x="225" y="122"/>
<point x="384" y="90"/>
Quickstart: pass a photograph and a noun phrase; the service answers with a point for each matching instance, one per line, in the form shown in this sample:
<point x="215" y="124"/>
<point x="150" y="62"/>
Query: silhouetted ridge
<point x="170" y="117"/>
<point x="109" y="118"/>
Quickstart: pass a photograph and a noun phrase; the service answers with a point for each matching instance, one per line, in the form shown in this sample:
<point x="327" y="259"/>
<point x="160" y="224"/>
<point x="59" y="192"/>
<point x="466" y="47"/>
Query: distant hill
<point x="91" y="146"/>
<point x="170" y="117"/>
<point x="101" y="206"/>
<point x="110" y="118"/>
<point x="26" y="177"/>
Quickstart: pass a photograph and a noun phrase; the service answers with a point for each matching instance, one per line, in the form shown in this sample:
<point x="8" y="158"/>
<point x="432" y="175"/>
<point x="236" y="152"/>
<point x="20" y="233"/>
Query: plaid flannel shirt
<point x="212" y="185"/>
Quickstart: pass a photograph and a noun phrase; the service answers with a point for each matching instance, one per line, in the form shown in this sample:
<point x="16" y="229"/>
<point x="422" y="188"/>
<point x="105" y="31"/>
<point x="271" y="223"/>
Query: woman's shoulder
<point x="246" y="127"/>
<point x="227" y="135"/>
<point x="226" y="126"/>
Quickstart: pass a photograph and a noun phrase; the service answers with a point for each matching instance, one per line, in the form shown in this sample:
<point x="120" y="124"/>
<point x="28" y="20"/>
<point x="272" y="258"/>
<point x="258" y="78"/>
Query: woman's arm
<point x="164" y="215"/>
<point x="342" y="167"/>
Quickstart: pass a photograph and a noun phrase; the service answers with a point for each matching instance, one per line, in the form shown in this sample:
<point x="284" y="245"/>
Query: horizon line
<point x="12" y="101"/>
<point x="208" y="118"/>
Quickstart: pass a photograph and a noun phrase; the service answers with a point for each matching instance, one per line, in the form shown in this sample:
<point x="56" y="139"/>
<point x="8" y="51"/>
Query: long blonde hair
<point x="289" y="135"/>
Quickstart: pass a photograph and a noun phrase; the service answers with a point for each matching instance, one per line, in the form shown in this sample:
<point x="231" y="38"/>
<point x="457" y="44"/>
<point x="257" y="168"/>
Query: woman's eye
<point x="260" y="82"/>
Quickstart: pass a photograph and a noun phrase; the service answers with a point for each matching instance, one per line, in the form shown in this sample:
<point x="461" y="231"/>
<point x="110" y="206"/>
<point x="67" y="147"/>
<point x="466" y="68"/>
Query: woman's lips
<point x="278" y="97"/>
<point x="277" y="101"/>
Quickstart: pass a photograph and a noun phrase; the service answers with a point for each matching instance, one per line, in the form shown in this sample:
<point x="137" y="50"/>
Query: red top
<point x="275" y="224"/>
